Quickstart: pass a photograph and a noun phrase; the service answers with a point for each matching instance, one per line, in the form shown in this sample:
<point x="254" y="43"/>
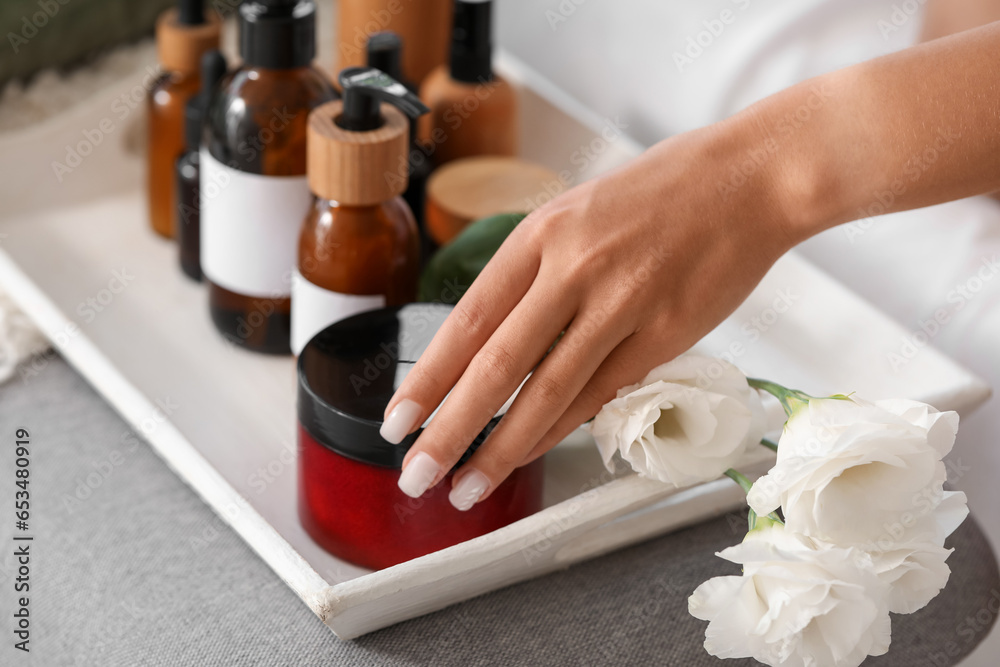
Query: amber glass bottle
<point x="183" y="35"/>
<point x="188" y="172"/>
<point x="473" y="111"/>
<point x="385" y="50"/>
<point x="359" y="248"/>
<point x="254" y="191"/>
<point x="423" y="25"/>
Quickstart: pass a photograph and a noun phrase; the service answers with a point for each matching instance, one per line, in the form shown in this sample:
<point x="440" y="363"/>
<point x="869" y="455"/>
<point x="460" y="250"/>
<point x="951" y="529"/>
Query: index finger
<point x="491" y="297"/>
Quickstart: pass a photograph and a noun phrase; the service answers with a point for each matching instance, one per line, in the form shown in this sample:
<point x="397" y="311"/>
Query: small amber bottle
<point x="183" y="35"/>
<point x="213" y="68"/>
<point x="473" y="111"/>
<point x="254" y="192"/>
<point x="359" y="248"/>
<point x="423" y="25"/>
<point x="385" y="52"/>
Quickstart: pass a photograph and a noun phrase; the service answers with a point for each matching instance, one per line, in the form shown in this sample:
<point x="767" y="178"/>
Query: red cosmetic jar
<point x="349" y="502"/>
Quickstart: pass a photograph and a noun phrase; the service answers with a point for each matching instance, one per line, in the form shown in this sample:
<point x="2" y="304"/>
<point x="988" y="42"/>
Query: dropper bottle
<point x="213" y="68"/>
<point x="359" y="248"/>
<point x="183" y="35"/>
<point x="254" y="192"/>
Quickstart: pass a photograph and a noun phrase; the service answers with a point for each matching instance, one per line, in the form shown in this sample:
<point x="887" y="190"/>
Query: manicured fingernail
<point x="418" y="475"/>
<point x="469" y="489"/>
<point x="400" y="421"/>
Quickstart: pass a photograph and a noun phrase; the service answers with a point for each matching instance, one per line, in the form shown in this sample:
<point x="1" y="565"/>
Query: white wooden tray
<point x="224" y="419"/>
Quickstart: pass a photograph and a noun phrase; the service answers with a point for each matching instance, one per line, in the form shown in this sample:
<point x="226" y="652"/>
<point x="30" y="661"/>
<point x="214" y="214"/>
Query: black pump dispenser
<point x="363" y="89"/>
<point x="385" y="51"/>
<point x="278" y="34"/>
<point x="471" y="42"/>
<point x="213" y="68"/>
<point x="190" y="12"/>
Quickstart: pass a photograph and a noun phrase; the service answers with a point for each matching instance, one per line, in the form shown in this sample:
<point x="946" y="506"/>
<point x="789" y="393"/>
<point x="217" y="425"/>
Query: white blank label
<point x="250" y="228"/>
<point x="315" y="308"/>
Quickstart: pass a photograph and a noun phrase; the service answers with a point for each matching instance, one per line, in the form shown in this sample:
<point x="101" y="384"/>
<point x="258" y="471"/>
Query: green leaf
<point x="455" y="266"/>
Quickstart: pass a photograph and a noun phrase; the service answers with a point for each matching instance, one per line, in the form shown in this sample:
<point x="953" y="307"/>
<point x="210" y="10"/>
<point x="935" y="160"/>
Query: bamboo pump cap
<point x="357" y="149"/>
<point x="357" y="168"/>
<point x="181" y="43"/>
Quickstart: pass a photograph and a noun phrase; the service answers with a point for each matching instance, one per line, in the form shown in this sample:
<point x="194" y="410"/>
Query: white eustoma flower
<point x="686" y="422"/>
<point x="912" y="560"/>
<point x="798" y="604"/>
<point x="870" y="476"/>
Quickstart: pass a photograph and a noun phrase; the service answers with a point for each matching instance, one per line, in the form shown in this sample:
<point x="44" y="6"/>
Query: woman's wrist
<point x="747" y="168"/>
<point x="782" y="146"/>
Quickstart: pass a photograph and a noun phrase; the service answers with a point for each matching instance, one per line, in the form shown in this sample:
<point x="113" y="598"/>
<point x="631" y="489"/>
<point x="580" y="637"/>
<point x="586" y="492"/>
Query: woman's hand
<point x="635" y="267"/>
<point x="639" y="264"/>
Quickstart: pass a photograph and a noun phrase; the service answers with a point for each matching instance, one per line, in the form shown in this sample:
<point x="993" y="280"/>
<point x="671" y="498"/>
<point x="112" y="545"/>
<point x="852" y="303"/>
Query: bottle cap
<point x="357" y="149"/>
<point x="385" y="52"/>
<point x="184" y="33"/>
<point x="190" y="12"/>
<point x="278" y="34"/>
<point x="213" y="68"/>
<point x="471" y="41"/>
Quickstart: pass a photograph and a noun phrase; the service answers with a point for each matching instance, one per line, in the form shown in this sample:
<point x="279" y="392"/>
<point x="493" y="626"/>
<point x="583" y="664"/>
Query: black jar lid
<point x="348" y="372"/>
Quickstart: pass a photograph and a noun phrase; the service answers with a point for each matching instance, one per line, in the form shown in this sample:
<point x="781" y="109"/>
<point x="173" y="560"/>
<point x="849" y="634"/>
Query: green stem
<point x="773" y="446"/>
<point x="790" y="399"/>
<point x="740" y="479"/>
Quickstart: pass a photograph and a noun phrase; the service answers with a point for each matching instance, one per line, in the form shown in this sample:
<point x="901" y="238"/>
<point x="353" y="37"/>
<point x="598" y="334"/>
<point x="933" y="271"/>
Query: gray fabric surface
<point x="143" y="573"/>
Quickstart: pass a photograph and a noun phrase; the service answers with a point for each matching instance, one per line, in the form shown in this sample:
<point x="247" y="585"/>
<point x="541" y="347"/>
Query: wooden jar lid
<point x="180" y="47"/>
<point x="357" y="168"/>
<point x="465" y="190"/>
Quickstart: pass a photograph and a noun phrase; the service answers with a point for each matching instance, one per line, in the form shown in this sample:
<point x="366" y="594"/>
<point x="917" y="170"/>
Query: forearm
<point x="946" y="17"/>
<point x="911" y="129"/>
